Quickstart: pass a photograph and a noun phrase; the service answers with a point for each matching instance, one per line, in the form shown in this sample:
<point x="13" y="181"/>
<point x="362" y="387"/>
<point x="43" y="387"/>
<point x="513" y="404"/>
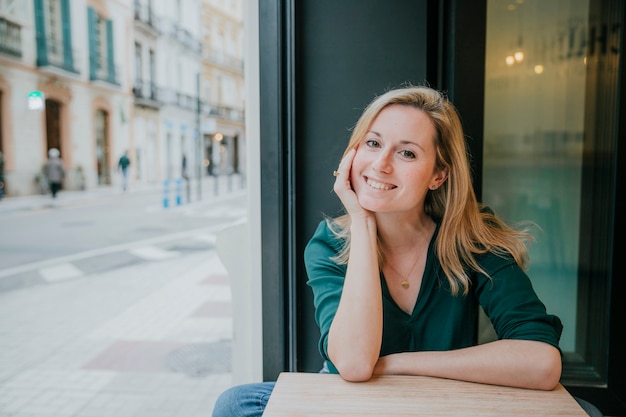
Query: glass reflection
<point x="534" y="114"/>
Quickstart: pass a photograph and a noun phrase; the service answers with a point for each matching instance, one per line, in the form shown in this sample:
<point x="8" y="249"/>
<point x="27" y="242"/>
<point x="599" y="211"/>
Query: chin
<point x="373" y="206"/>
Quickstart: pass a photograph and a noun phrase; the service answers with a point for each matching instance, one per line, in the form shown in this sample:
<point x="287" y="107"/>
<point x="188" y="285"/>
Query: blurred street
<point x="112" y="304"/>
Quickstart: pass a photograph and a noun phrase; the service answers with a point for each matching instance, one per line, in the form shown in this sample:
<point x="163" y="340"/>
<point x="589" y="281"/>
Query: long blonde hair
<point x="466" y="229"/>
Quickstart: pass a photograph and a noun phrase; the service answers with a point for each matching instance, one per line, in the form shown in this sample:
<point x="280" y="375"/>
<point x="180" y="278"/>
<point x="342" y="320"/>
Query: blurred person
<point x="54" y="172"/>
<point x="184" y="168"/>
<point x="122" y="166"/>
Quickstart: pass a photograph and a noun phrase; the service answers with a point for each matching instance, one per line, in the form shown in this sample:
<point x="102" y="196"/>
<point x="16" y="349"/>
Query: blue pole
<point x="166" y="200"/>
<point x="179" y="190"/>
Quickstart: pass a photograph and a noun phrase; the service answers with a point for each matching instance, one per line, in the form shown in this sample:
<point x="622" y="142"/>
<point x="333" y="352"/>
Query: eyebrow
<point x="403" y="142"/>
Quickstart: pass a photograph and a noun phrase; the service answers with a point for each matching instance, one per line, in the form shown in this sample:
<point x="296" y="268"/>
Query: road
<point x="112" y="305"/>
<point x="106" y="230"/>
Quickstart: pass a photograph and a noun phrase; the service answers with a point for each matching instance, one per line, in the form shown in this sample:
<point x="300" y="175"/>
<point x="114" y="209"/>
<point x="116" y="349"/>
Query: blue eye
<point x="407" y="154"/>
<point x="372" y="143"/>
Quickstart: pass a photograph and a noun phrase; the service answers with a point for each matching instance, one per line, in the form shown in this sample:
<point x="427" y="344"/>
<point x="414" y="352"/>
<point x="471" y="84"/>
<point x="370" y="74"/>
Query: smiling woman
<point x="399" y="279"/>
<point x="394" y="166"/>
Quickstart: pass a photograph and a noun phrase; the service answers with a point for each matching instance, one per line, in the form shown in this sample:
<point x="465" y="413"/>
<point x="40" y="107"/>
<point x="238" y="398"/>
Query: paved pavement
<point x="143" y="338"/>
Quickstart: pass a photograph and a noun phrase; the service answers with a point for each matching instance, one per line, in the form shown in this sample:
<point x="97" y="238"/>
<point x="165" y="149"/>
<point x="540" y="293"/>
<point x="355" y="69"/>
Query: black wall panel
<point x="346" y="52"/>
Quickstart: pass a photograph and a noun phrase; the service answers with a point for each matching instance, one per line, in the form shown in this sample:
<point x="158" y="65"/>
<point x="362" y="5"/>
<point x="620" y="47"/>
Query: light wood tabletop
<point x="310" y="394"/>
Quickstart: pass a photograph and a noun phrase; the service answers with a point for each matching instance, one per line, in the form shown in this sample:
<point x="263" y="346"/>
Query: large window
<point x="54" y="29"/>
<point x="54" y="34"/>
<point x="538" y="165"/>
<point x="138" y="65"/>
<point x="101" y="51"/>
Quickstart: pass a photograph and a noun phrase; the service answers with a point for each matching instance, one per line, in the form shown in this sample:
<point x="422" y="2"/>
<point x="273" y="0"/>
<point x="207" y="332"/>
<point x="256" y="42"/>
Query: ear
<point x="440" y="177"/>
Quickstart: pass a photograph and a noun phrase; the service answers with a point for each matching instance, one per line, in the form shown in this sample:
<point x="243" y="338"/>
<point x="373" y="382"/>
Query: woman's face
<point x="394" y="165"/>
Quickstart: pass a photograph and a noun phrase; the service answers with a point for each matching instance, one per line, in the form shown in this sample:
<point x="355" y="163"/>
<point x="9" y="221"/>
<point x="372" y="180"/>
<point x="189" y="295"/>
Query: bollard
<point x="166" y="199"/>
<point x="179" y="190"/>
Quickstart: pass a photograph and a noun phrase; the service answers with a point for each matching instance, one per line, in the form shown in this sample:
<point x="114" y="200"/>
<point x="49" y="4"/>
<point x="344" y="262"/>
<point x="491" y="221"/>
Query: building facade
<point x="100" y="78"/>
<point x="63" y="85"/>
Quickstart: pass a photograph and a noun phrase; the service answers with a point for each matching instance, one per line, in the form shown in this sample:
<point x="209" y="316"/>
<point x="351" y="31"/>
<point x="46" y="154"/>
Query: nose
<point x="383" y="162"/>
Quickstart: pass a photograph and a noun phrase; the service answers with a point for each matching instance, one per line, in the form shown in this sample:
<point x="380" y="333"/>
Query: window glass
<point x="54" y="31"/>
<point x="534" y="121"/>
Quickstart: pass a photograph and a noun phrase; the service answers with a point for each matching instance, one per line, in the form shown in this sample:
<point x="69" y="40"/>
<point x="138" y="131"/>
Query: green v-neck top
<point x="439" y="321"/>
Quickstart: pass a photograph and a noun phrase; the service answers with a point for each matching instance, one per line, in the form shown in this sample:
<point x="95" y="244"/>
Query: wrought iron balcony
<point x="146" y="17"/>
<point x="10" y="38"/>
<point x="146" y="94"/>
<point x="223" y="60"/>
<point x="182" y="36"/>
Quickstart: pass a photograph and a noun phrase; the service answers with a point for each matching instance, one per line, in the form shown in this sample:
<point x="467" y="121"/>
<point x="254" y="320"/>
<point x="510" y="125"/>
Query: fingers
<point x="342" y="174"/>
<point x="343" y="171"/>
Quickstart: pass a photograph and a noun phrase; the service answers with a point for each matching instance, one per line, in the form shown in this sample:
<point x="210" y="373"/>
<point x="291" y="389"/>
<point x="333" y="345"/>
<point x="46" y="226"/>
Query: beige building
<point x="63" y="85"/>
<point x="222" y="86"/>
<point x="106" y="77"/>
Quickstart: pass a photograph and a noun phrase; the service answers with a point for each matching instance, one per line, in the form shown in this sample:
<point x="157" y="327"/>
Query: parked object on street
<point x="54" y="172"/>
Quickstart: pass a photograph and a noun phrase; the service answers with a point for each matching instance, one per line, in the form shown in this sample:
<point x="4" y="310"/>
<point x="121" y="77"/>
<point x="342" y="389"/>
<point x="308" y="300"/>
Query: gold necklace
<point x="405" y="282"/>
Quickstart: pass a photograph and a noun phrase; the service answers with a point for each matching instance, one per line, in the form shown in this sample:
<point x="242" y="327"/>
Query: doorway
<point x="53" y="125"/>
<point x="102" y="148"/>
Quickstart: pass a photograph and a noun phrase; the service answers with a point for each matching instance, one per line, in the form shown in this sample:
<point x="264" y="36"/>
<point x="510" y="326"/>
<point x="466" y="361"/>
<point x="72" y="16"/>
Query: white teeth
<point x="378" y="185"/>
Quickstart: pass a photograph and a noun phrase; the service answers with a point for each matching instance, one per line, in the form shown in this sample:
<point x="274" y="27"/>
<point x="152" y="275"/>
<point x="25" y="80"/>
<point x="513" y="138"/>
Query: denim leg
<point x="248" y="400"/>
<point x="591" y="409"/>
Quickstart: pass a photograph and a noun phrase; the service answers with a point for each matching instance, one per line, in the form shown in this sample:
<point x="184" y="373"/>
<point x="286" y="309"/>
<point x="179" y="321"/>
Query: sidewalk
<point x="209" y="187"/>
<point x="146" y="340"/>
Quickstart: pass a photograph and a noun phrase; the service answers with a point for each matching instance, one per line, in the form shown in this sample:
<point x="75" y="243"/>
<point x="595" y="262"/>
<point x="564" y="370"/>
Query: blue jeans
<point x="248" y="400"/>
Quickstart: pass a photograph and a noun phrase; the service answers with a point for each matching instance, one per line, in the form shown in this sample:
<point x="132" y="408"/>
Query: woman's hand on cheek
<point x="343" y="187"/>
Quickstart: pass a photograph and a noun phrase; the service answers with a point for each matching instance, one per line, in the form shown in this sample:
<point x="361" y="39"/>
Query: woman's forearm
<point x="356" y="332"/>
<point x="515" y="363"/>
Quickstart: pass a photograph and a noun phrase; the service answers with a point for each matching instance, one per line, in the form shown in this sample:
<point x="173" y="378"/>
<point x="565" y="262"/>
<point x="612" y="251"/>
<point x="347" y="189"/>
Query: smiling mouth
<point x="379" y="185"/>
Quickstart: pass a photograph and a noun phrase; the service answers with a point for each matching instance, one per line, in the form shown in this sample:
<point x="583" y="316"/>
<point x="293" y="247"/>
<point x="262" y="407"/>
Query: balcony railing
<point x="182" y="36"/>
<point x="146" y="94"/>
<point x="223" y="112"/>
<point x="176" y="98"/>
<point x="189" y="102"/>
<point x="216" y="57"/>
<point x="10" y="38"/>
<point x="145" y="89"/>
<point x="145" y="15"/>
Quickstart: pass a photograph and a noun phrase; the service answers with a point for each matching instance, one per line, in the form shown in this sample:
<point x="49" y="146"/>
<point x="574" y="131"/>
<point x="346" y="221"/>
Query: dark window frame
<point x="456" y="65"/>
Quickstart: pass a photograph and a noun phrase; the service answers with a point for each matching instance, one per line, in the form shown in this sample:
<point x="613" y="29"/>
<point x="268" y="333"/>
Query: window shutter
<point x="40" y="28"/>
<point x="93" y="48"/>
<point x="68" y="60"/>
<point x="110" y="51"/>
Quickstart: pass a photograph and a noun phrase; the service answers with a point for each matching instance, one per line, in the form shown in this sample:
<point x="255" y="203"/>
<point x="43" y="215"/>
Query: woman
<point x="398" y="280"/>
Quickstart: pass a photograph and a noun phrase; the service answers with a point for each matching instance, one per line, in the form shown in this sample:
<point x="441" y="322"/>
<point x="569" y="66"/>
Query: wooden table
<point x="311" y="394"/>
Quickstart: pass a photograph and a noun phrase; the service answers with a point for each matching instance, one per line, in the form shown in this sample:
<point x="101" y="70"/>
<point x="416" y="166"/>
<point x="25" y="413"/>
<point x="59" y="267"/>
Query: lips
<point x="379" y="185"/>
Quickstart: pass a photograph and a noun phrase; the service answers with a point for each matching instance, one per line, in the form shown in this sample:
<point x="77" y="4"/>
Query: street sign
<point x="36" y="100"/>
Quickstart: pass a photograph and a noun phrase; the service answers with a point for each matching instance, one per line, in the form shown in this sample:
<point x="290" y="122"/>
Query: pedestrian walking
<point x="184" y="168"/>
<point x="53" y="170"/>
<point x="122" y="166"/>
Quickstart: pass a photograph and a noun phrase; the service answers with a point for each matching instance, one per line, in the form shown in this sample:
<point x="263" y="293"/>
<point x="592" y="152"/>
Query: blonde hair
<point x="466" y="228"/>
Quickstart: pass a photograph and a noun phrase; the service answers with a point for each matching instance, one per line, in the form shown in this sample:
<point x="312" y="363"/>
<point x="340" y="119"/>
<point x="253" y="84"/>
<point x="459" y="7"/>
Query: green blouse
<point x="440" y="321"/>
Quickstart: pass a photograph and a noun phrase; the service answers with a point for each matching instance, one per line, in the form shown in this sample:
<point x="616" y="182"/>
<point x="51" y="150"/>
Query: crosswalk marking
<point x="152" y="253"/>
<point x="60" y="272"/>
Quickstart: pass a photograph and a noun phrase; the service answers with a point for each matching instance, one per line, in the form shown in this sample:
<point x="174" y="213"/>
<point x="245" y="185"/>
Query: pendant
<point x="405" y="284"/>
